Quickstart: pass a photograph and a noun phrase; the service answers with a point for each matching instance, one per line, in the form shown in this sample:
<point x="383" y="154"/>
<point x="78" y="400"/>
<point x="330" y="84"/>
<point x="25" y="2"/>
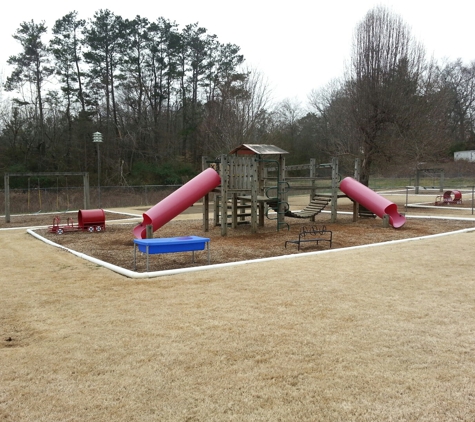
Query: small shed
<point x="465" y="155"/>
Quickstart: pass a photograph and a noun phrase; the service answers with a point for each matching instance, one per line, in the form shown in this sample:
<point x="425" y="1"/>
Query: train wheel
<point x="98" y="228"/>
<point x="59" y="231"/>
<point x="90" y="229"/>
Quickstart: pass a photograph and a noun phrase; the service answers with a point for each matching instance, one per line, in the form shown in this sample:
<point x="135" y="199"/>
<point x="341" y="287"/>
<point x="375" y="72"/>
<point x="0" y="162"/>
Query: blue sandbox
<point x="171" y="244"/>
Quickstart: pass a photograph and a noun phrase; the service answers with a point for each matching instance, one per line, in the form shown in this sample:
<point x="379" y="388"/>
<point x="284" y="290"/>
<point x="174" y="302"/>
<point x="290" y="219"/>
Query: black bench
<point x="312" y="234"/>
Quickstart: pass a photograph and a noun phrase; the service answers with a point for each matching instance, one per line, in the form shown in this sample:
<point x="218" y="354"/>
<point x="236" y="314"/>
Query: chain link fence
<point x="26" y="201"/>
<point x="55" y="199"/>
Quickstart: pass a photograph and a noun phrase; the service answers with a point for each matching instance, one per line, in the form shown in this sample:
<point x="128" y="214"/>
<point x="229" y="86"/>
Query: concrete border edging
<point x="153" y="274"/>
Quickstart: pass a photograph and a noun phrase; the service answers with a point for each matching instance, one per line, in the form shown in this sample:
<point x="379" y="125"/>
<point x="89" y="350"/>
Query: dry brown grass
<point x="378" y="334"/>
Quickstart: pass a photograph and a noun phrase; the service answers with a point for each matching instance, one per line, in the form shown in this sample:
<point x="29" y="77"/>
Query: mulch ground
<point x="115" y="245"/>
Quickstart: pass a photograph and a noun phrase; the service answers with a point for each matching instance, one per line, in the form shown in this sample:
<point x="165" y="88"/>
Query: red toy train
<point x="88" y="220"/>
<point x="449" y="197"/>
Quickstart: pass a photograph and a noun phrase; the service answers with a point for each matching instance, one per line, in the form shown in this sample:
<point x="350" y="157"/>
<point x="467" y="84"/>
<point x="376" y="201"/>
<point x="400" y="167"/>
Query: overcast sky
<point x="296" y="45"/>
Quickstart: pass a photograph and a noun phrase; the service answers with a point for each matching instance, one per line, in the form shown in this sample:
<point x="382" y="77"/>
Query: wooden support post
<point x="313" y="174"/>
<point x="355" y="212"/>
<point x="149" y="231"/>
<point x="206" y="212"/>
<point x="242" y="210"/>
<point x="87" y="200"/>
<point x="234" y="211"/>
<point x="7" y="197"/>
<point x="254" y="192"/>
<point x="335" y="180"/>
<point x="205" y="199"/>
<point x="217" y="199"/>
<point x="281" y="193"/>
<point x="224" y="213"/>
<point x="224" y="173"/>
<point x="262" y="213"/>
<point x="385" y="221"/>
<point x="262" y="175"/>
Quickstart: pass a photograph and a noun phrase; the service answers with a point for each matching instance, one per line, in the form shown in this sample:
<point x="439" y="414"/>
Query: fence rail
<point x="23" y="201"/>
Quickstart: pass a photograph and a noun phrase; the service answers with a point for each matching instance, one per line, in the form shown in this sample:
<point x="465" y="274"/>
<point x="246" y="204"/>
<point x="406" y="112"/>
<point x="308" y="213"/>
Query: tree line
<point x="163" y="96"/>
<point x="395" y="107"/>
<point x="157" y="93"/>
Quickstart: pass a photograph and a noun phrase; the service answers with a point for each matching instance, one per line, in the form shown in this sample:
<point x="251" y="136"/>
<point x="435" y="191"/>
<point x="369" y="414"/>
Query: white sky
<point x="296" y="45"/>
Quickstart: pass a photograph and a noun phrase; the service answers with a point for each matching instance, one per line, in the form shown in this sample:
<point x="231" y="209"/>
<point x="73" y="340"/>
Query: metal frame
<point x="7" y="176"/>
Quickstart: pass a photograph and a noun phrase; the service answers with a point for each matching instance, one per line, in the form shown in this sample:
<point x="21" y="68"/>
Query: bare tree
<point x="337" y="133"/>
<point x="239" y="114"/>
<point x="286" y="125"/>
<point x="421" y="130"/>
<point x="458" y="80"/>
<point x="387" y="66"/>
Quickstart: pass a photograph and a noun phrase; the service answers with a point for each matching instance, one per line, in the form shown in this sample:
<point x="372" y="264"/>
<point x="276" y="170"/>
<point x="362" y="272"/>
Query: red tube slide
<point x="372" y="201"/>
<point x="178" y="201"/>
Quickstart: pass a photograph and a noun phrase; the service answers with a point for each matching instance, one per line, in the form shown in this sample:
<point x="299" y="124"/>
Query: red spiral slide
<point x="178" y="201"/>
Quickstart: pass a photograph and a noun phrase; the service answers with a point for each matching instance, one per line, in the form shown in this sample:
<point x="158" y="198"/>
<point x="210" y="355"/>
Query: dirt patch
<point x="116" y="246"/>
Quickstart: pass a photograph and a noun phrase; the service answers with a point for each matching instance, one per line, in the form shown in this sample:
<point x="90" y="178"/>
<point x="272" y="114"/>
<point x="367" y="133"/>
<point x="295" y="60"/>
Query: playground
<point x="240" y="244"/>
<point x="382" y="332"/>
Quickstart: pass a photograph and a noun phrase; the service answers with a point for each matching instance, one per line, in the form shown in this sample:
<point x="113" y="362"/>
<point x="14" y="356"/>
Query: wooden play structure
<point x="254" y="185"/>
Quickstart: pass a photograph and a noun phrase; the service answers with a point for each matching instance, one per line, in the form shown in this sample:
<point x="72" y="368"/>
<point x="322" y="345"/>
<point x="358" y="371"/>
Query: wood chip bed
<point x="115" y="245"/>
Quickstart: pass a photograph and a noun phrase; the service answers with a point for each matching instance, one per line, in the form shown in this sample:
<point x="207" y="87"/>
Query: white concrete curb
<point x="136" y="275"/>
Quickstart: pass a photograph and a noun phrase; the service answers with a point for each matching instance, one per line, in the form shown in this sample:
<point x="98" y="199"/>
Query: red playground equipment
<point x="449" y="197"/>
<point x="88" y="220"/>
<point x="372" y="201"/>
<point x="178" y="201"/>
